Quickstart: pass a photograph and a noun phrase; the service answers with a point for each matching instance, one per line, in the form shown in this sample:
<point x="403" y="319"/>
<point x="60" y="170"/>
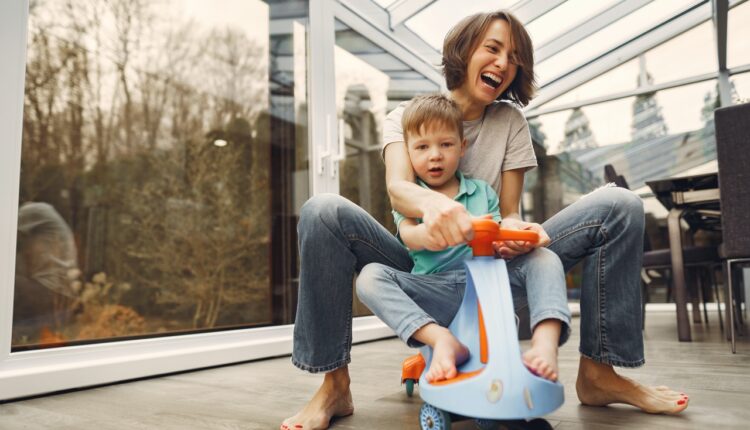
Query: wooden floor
<point x="260" y="394"/>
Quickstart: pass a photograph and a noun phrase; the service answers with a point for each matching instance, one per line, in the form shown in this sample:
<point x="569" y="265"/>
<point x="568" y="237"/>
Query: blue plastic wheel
<point x="432" y="418"/>
<point x="485" y="424"/>
<point x="409" y="387"/>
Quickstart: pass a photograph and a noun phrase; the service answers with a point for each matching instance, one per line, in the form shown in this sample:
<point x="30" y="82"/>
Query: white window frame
<point x="44" y="371"/>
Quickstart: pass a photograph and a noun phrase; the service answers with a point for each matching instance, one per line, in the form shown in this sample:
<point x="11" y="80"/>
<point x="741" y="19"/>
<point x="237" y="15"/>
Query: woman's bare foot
<point x="541" y="359"/>
<point x="447" y="351"/>
<point x="333" y="399"/>
<point x="599" y="385"/>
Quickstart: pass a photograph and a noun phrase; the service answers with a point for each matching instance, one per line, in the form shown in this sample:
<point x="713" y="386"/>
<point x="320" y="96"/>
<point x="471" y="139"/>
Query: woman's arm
<point x="510" y="199"/>
<point x="446" y="222"/>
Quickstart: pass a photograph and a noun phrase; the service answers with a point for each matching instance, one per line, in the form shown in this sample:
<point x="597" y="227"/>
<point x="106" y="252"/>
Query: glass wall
<point x="369" y="83"/>
<point x="164" y="161"/>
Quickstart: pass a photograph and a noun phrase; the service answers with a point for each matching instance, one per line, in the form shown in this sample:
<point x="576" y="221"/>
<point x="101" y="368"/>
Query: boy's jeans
<point x="406" y="302"/>
<point x="604" y="229"/>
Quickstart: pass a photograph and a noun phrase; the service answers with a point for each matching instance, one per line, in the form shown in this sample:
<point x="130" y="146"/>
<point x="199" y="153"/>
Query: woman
<point x="486" y="57"/>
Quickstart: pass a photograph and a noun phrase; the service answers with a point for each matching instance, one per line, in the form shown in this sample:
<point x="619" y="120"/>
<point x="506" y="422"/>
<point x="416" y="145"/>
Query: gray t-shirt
<point x="498" y="141"/>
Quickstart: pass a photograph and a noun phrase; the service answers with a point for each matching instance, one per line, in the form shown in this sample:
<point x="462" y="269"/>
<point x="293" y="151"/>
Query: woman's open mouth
<point x="492" y="80"/>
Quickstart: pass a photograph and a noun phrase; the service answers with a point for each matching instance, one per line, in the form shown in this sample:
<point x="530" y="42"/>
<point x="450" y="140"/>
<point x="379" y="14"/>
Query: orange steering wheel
<point x="487" y="231"/>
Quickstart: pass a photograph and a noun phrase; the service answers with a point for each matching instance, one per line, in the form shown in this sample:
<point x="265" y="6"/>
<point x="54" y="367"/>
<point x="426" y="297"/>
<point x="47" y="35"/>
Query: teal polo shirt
<point x="479" y="199"/>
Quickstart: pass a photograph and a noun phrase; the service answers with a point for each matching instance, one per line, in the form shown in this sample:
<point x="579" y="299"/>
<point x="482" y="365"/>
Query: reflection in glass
<point x="169" y="138"/>
<point x="649" y="136"/>
<point x="369" y="82"/>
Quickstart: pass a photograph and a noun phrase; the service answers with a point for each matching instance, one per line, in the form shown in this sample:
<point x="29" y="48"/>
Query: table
<point x="696" y="200"/>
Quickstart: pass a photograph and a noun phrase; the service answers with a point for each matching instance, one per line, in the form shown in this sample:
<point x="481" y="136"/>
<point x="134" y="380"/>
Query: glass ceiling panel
<point x="444" y="13"/>
<point x="741" y="88"/>
<point x="563" y="18"/>
<point x="738" y="36"/>
<point x="620" y="79"/>
<point x="689" y="54"/>
<point x="607" y="38"/>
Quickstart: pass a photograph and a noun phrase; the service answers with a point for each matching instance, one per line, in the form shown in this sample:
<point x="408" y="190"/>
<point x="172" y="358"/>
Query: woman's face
<point x="490" y="70"/>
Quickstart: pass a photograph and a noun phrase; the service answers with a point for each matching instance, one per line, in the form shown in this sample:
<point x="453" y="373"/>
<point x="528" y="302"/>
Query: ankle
<point x="338" y="379"/>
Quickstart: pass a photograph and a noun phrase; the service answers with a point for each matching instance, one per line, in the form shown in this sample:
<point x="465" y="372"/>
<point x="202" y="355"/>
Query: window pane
<point x="645" y="137"/>
<point x="369" y="84"/>
<point x="741" y="88"/>
<point x="606" y="39"/>
<point x="738" y="36"/>
<point x="565" y="17"/>
<point x="689" y="54"/>
<point x="164" y="159"/>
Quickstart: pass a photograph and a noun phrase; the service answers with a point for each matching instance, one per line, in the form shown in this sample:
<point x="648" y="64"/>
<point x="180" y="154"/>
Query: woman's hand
<point x="510" y="248"/>
<point x="447" y="223"/>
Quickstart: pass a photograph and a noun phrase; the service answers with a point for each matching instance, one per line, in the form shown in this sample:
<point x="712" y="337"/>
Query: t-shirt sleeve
<point x="493" y="203"/>
<point x="392" y="131"/>
<point x="397" y="218"/>
<point x="519" y="153"/>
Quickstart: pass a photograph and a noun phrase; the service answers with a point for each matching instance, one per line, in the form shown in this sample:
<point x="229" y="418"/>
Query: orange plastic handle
<point x="487" y="231"/>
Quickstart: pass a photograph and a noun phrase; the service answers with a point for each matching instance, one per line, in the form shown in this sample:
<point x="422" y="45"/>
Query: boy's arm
<point x="412" y="234"/>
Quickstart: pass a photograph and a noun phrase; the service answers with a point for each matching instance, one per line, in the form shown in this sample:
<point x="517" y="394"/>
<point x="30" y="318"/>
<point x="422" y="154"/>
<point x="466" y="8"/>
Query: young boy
<point x="419" y="305"/>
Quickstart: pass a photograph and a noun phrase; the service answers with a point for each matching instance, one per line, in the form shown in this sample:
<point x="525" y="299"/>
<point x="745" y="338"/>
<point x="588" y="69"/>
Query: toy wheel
<point x="485" y="424"/>
<point x="409" y="387"/>
<point x="432" y="418"/>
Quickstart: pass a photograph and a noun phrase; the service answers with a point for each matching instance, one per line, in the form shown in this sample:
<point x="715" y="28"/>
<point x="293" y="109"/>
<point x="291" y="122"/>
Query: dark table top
<point x="697" y="194"/>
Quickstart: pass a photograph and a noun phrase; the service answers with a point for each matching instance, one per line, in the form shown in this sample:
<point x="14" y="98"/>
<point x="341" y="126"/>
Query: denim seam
<point x="577" y="228"/>
<point x="557" y="315"/>
<point x="318" y="369"/>
<point x="414" y="325"/>
<point x="353" y="237"/>
<point x="613" y="361"/>
<point x="601" y="292"/>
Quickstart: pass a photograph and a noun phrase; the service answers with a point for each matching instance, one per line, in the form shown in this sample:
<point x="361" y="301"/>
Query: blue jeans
<point x="604" y="230"/>
<point x="406" y="302"/>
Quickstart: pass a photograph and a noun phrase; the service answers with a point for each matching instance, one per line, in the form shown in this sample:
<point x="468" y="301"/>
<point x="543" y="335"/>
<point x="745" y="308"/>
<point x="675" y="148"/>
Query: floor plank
<point x="260" y="394"/>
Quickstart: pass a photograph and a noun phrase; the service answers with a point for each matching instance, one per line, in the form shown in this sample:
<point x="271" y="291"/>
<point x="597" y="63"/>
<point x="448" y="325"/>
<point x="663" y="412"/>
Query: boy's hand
<point x="510" y="248"/>
<point x="447" y="223"/>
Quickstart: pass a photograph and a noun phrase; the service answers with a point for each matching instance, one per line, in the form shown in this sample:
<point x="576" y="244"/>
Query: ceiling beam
<point x="586" y="28"/>
<point x="400" y="11"/>
<point x="529" y="10"/>
<point x="371" y="21"/>
<point x="596" y="66"/>
<point x="720" y="10"/>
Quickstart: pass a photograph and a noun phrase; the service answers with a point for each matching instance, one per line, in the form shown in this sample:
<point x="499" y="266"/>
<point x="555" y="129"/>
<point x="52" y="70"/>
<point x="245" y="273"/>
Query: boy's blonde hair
<point x="430" y="111"/>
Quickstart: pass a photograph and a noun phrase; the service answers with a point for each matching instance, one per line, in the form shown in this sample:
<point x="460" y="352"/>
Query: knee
<point x="368" y="280"/>
<point x="629" y="207"/>
<point x="545" y="259"/>
<point x="321" y="207"/>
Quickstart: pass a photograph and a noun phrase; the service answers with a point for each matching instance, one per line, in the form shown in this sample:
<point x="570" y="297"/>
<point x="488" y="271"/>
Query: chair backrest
<point x="733" y="151"/>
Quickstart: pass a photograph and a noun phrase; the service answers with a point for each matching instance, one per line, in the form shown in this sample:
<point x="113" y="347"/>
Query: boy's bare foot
<point x="541" y="360"/>
<point x="599" y="385"/>
<point x="447" y="353"/>
<point x="333" y="399"/>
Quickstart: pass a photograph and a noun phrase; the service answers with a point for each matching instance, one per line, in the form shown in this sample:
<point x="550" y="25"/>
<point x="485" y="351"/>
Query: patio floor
<point x="258" y="395"/>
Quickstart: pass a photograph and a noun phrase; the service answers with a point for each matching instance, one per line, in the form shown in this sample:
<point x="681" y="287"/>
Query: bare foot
<point x="447" y="353"/>
<point x="333" y="399"/>
<point x="541" y="360"/>
<point x="599" y="385"/>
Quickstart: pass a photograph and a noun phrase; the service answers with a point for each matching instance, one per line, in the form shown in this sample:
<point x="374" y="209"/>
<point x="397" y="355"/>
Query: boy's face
<point x="435" y="152"/>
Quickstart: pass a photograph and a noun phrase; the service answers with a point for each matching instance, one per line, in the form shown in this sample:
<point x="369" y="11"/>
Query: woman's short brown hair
<point x="464" y="38"/>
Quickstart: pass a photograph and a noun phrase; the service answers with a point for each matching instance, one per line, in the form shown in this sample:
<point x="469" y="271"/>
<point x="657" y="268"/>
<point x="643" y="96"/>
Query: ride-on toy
<point x="493" y="384"/>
